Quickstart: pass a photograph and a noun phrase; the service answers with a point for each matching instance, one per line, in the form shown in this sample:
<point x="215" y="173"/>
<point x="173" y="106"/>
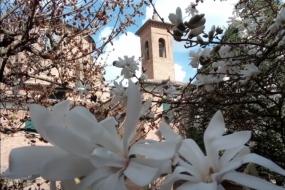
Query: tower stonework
<point x="156" y="48"/>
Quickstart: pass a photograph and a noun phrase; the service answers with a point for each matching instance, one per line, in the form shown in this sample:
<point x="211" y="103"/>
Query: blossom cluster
<point x="93" y="151"/>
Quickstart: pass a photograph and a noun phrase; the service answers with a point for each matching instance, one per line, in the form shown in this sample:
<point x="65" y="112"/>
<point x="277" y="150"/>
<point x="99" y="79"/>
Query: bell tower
<point x="156" y="47"/>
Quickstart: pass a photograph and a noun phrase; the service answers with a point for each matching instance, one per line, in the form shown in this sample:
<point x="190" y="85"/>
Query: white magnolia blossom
<point x="176" y="19"/>
<point x="68" y="158"/>
<point x="197" y="31"/>
<point x="81" y="89"/>
<point x="146" y="108"/>
<point x="115" y="158"/>
<point x="248" y="71"/>
<point x="119" y="92"/>
<point x="207" y="81"/>
<point x="199" y="57"/>
<point x="279" y="21"/>
<point x="207" y="172"/>
<point x="129" y="66"/>
<point x="191" y="9"/>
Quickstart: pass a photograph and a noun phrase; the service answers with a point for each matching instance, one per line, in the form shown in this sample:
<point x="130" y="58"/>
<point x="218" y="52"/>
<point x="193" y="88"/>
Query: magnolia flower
<point x="191" y="9"/>
<point x="249" y="70"/>
<point x="195" y="56"/>
<point x="176" y="19"/>
<point x="206" y="172"/>
<point x="82" y="89"/>
<point x="196" y="31"/>
<point x="115" y="158"/>
<point x="128" y="65"/>
<point x="146" y="108"/>
<point x="207" y="81"/>
<point x="165" y="131"/>
<point x="118" y="92"/>
<point x="68" y="158"/>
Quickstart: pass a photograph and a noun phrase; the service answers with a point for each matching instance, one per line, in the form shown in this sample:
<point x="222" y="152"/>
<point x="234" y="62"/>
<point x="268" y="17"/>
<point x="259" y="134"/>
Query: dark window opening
<point x="57" y="95"/>
<point x="146" y="51"/>
<point x="162" y="50"/>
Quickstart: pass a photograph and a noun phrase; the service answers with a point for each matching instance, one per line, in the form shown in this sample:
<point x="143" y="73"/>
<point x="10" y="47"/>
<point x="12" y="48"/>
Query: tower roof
<point x="154" y="23"/>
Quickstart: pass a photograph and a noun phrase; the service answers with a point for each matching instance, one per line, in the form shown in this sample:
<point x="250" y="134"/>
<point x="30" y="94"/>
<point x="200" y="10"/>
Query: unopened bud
<point x="200" y="40"/>
<point x="215" y="49"/>
<point x="219" y="30"/>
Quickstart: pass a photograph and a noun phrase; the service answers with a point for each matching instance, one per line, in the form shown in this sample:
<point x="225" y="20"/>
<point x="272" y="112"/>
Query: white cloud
<point x="216" y="13"/>
<point x="123" y="45"/>
<point x="179" y="73"/>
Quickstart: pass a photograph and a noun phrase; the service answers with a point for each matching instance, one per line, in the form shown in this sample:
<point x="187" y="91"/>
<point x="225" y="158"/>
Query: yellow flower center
<point x="208" y="178"/>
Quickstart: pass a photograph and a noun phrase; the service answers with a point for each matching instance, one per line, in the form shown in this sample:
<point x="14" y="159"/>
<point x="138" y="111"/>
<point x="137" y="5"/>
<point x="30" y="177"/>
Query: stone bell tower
<point x="156" y="47"/>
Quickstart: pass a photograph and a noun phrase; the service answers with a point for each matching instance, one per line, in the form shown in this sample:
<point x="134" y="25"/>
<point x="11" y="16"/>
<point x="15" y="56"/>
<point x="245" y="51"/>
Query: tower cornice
<point x="153" y="23"/>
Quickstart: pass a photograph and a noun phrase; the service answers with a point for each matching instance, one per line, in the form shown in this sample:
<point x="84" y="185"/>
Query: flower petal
<point x="166" y="131"/>
<point x="42" y="118"/>
<point x="215" y="129"/>
<point x="132" y="114"/>
<point x="264" y="162"/>
<point x="140" y="174"/>
<point x="188" y="186"/>
<point x="70" y="142"/>
<point x="65" y="167"/>
<point x="113" y="181"/>
<point x="229" y="154"/>
<point x="160" y="150"/>
<point x="237" y="139"/>
<point x="111" y="125"/>
<point x="163" y="166"/>
<point x="250" y="181"/>
<point x="61" y="108"/>
<point x="208" y="186"/>
<point x="175" y="176"/>
<point x="85" y="113"/>
<point x="94" y="177"/>
<point x="24" y="161"/>
<point x="102" y="157"/>
<point x="68" y="184"/>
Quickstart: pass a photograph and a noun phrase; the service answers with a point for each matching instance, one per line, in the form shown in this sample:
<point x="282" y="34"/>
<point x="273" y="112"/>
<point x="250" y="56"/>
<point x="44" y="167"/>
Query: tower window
<point x="162" y="50"/>
<point x="146" y="51"/>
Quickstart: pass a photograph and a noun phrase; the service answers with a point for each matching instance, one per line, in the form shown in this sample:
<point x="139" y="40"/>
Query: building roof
<point x="154" y="23"/>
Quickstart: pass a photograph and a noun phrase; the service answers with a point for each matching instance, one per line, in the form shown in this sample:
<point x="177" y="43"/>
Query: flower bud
<point x="200" y="40"/>
<point x="219" y="30"/>
<point x="215" y="49"/>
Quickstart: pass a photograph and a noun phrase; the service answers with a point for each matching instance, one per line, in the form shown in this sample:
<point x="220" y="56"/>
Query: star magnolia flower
<point x="195" y="56"/>
<point x="191" y="9"/>
<point x="118" y="92"/>
<point x="207" y="81"/>
<point x="116" y="158"/>
<point x="206" y="172"/>
<point x="249" y="70"/>
<point x="145" y="111"/>
<point x="82" y="89"/>
<point x="72" y="143"/>
<point x="128" y="65"/>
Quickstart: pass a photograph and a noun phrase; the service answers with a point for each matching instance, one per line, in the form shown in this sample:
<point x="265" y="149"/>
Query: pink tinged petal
<point x="140" y="174"/>
<point x="52" y="185"/>
<point x="250" y="181"/>
<point x="234" y="140"/>
<point x="102" y="157"/>
<point x="68" y="184"/>
<point x="264" y="162"/>
<point x="132" y="114"/>
<point x="94" y="177"/>
<point x="25" y="161"/>
<point x="229" y="154"/>
<point x="61" y="108"/>
<point x="70" y="142"/>
<point x="215" y="129"/>
<point x="65" y="167"/>
<point x="159" y="150"/>
<point x="41" y="119"/>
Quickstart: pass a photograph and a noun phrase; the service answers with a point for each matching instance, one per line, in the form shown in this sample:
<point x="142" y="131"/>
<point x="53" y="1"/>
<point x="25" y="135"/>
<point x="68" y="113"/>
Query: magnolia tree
<point x="105" y="153"/>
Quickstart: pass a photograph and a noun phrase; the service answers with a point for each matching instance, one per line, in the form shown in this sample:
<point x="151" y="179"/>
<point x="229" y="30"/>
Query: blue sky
<point x="216" y="13"/>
